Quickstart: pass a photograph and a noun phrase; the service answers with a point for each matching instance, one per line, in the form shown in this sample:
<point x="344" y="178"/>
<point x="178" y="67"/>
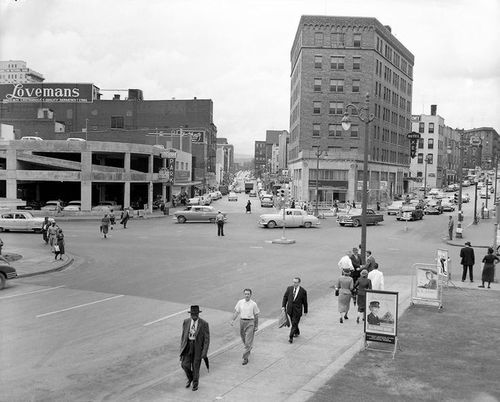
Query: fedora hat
<point x="374" y="304"/>
<point x="467" y="243"/>
<point x="194" y="310"/>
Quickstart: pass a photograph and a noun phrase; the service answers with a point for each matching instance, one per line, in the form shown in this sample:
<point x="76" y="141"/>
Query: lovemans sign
<point x="47" y="92"/>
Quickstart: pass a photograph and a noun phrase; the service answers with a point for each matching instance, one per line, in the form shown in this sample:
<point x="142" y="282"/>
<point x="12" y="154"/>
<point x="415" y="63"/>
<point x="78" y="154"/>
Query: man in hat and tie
<point x="468" y="260"/>
<point x="373" y="318"/>
<point x="195" y="340"/>
<point x="294" y="302"/>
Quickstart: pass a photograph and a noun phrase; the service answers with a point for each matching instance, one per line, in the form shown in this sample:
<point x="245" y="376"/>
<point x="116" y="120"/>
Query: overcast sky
<point x="237" y="52"/>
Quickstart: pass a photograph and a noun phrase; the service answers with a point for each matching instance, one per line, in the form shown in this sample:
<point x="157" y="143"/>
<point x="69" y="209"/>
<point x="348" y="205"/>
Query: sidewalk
<point x="480" y="235"/>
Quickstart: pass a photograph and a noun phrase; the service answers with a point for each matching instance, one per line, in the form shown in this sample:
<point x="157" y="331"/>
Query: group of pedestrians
<point x="108" y="222"/>
<point x="355" y="279"/>
<point x="53" y="236"/>
<point x="468" y="260"/>
<point x="195" y="337"/>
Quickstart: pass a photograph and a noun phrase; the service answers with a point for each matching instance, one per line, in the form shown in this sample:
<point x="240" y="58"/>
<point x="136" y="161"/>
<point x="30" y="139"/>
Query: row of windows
<point x="337" y="39"/>
<point x="336" y="85"/>
<point x="430" y="143"/>
<point x="11" y="76"/>
<point x="181" y="165"/>
<point x="394" y="57"/>
<point x="392" y="77"/>
<point x="421" y="127"/>
<point x="338" y="63"/>
<point x="430" y="158"/>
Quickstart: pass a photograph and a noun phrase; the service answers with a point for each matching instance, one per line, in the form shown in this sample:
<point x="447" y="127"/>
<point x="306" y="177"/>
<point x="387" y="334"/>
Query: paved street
<point x="111" y="322"/>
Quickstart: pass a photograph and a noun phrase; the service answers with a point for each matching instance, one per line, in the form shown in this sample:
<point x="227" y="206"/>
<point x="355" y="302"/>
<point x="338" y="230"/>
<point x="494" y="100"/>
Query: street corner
<point x="41" y="265"/>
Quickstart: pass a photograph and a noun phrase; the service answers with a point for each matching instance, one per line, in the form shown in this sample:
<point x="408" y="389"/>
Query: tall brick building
<point x="336" y="61"/>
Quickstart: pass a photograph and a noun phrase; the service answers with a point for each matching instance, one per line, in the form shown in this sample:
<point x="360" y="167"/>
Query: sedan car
<point x="73" y="206"/>
<point x="197" y="213"/>
<point x="232" y="197"/>
<point x="394" y="208"/>
<point x="447" y="205"/>
<point x="21" y="220"/>
<point x="252" y="193"/>
<point x="7" y="271"/>
<point x="267" y="201"/>
<point x="354" y="217"/>
<point x="52" y="206"/>
<point x="410" y="213"/>
<point x="294" y="217"/>
<point x="106" y="206"/>
<point x="433" y="207"/>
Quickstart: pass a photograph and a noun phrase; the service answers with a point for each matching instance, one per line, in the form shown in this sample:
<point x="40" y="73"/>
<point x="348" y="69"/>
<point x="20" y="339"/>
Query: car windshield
<point x="28" y="215"/>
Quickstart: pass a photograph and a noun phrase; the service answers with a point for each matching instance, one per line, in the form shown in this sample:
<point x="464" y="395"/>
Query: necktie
<point x="193" y="329"/>
<point x="294" y="293"/>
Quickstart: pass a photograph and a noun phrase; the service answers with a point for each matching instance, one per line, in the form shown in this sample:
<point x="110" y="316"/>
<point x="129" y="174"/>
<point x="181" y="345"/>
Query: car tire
<point x="212" y="220"/>
<point x="1" y="229"/>
<point x="271" y="224"/>
<point x="355" y="223"/>
<point x="307" y="225"/>
<point x="342" y="224"/>
<point x="181" y="219"/>
<point x="2" y="281"/>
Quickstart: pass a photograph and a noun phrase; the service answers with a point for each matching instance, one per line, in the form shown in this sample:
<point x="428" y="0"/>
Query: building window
<point x="430" y="143"/>
<point x="354" y="131"/>
<point x="355" y="85"/>
<point x="334" y="130"/>
<point x="356" y="63"/>
<point x="431" y="128"/>
<point x="318" y="61"/>
<point x="117" y="122"/>
<point x="336" y="85"/>
<point x="317" y="85"/>
<point x="316" y="129"/>
<point x="357" y="40"/>
<point x="420" y="158"/>
<point x="430" y="159"/>
<point x="337" y="62"/>
<point x="421" y="127"/>
<point x="316" y="107"/>
<point x="419" y="174"/>
<point x="336" y="108"/>
<point x="338" y="40"/>
<point x="420" y="143"/>
<point x="318" y="38"/>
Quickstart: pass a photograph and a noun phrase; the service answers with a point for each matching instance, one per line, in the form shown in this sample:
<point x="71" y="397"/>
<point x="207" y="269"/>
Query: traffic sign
<point x="413" y="136"/>
<point x="475" y="141"/>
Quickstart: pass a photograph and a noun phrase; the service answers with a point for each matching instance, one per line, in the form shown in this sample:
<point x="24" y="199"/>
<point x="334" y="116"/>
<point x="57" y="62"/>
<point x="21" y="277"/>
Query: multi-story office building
<point x="261" y="160"/>
<point x="270" y="155"/>
<point x="487" y="153"/>
<point x="438" y="151"/>
<point x="17" y="72"/>
<point x="224" y="161"/>
<point x="336" y="61"/>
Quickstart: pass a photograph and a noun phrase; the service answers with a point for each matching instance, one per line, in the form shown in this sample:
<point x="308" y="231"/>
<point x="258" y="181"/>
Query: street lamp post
<point x="459" y="231"/>
<point x="427" y="158"/>
<point x="318" y="153"/>
<point x="366" y="117"/>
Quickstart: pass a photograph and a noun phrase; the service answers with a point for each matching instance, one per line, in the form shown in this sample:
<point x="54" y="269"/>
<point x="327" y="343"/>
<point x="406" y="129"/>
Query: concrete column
<point x="126" y="193"/>
<point x="150" y="164"/>
<point x="11" y="182"/>
<point x="352" y="183"/>
<point x="126" y="164"/>
<point x="150" y="197"/>
<point x="86" y="195"/>
<point x="11" y="190"/>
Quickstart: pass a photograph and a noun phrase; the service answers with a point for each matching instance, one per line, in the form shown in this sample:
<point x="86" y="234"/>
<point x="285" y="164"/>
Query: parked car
<point x="76" y="139"/>
<point x="197" y="213"/>
<point x="294" y="217"/>
<point x="354" y="217"/>
<point x="410" y="213"/>
<point x="200" y="200"/>
<point x="433" y="207"/>
<point x="21" y="220"/>
<point x="73" y="206"/>
<point x="447" y="205"/>
<point x="465" y="198"/>
<point x="106" y="206"/>
<point x="252" y="193"/>
<point x="434" y="191"/>
<point x="215" y="195"/>
<point x="52" y="206"/>
<point x="394" y="208"/>
<point x="267" y="201"/>
<point x="466" y="183"/>
<point x="7" y="272"/>
<point x="31" y="138"/>
<point x="232" y="196"/>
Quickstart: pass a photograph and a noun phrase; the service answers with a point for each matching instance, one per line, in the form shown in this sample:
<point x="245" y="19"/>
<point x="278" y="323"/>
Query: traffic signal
<point x="281" y="192"/>
<point x="455" y="198"/>
<point x="288" y="192"/>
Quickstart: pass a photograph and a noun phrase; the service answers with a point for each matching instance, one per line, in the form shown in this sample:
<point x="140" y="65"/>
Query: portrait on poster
<point x="381" y="313"/>
<point x="427" y="284"/>
<point x="442" y="262"/>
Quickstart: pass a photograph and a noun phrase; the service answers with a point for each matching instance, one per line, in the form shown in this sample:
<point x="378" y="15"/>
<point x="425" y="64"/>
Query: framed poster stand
<point x="426" y="286"/>
<point x="381" y="321"/>
<point x="443" y="265"/>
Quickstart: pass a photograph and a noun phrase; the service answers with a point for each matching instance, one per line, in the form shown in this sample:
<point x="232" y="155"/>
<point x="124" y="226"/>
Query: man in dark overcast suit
<point x="294" y="302"/>
<point x="468" y="260"/>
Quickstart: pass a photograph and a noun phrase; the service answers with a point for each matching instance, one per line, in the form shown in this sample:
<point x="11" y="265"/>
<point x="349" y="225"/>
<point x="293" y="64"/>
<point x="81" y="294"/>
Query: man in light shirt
<point x="346" y="262"/>
<point x="248" y="311"/>
<point x="377" y="278"/>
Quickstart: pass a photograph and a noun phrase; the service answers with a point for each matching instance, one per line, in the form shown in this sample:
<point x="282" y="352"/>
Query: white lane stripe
<point x="80" y="305"/>
<point x="164" y="318"/>
<point x="30" y="293"/>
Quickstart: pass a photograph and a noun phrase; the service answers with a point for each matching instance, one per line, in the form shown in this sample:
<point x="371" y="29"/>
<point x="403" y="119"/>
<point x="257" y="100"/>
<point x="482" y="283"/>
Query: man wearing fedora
<point x="468" y="260"/>
<point x="195" y="340"/>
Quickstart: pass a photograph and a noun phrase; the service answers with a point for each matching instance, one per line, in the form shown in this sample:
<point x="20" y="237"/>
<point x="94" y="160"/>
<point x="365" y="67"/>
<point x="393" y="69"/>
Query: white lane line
<point x="256" y="247"/>
<point x="30" y="293"/>
<point x="80" y="305"/>
<point x="164" y="318"/>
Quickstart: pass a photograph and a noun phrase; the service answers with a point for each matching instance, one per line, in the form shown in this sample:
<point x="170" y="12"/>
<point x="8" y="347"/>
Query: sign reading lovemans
<point x="48" y="92"/>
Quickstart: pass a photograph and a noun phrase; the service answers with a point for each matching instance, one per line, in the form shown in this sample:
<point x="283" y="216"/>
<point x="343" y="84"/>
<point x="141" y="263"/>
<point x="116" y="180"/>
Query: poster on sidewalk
<point x="427" y="284"/>
<point x="381" y="316"/>
<point x="443" y="266"/>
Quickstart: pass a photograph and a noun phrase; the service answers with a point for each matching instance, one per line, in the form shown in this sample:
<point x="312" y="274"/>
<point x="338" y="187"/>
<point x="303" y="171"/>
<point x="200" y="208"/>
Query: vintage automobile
<point x="200" y="200"/>
<point x="7" y="271"/>
<point x="410" y="213"/>
<point x="106" y="206"/>
<point x="232" y="197"/>
<point x="252" y="193"/>
<point x="447" y="205"/>
<point x="20" y="220"/>
<point x="52" y="206"/>
<point x="394" y="208"/>
<point x="294" y="217"/>
<point x="267" y="201"/>
<point x="215" y="195"/>
<point x="433" y="207"/>
<point x="197" y="213"/>
<point x="73" y="206"/>
<point x="354" y="217"/>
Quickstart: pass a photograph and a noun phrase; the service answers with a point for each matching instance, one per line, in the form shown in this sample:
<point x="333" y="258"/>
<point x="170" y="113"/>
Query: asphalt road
<point x="112" y="320"/>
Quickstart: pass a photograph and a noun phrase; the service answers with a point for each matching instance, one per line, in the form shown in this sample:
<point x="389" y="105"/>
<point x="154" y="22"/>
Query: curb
<point x="70" y="261"/>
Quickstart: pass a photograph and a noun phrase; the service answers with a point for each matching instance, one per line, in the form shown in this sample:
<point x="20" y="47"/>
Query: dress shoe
<point x="290" y="340"/>
<point x="195" y="387"/>
<point x="481" y="286"/>
<point x="245" y="361"/>
<point x="346" y="317"/>
<point x="296" y="334"/>
<point x="341" y="320"/>
<point x="357" y="320"/>
<point x="188" y="383"/>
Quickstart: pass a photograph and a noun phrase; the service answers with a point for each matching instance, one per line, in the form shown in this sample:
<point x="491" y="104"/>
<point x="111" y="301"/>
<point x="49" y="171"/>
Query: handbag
<point x="283" y="320"/>
<point x="56" y="248"/>
<point x="337" y="292"/>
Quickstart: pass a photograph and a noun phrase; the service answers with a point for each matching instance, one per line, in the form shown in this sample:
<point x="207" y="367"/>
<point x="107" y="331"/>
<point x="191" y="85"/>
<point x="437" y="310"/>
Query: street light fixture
<point x="363" y="114"/>
<point x="448" y="165"/>
<point x="427" y="160"/>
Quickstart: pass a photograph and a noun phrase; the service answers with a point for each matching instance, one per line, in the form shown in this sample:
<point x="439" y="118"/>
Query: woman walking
<point x="361" y="285"/>
<point x="248" y="207"/>
<point x="344" y="288"/>
<point x="59" y="246"/>
<point x="489" y="260"/>
<point x="105" y="221"/>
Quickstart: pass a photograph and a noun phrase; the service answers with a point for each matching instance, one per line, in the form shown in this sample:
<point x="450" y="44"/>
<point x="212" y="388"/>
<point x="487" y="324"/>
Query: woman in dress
<point x="105" y="221"/>
<point x="59" y="250"/>
<point x="248" y="207"/>
<point x="489" y="260"/>
<point x="361" y="285"/>
<point x="344" y="286"/>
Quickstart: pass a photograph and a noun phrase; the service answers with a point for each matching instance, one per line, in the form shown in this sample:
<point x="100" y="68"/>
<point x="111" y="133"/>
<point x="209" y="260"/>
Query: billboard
<point x="48" y="92"/>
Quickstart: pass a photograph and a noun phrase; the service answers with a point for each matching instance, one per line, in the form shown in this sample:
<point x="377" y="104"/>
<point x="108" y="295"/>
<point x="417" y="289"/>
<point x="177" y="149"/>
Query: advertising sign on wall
<point x="48" y="92"/>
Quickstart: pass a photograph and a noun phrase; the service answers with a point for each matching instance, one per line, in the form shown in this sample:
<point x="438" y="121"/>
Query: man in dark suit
<point x="373" y="318"/>
<point x="195" y="340"/>
<point x="294" y="301"/>
<point x="468" y="260"/>
<point x="356" y="263"/>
